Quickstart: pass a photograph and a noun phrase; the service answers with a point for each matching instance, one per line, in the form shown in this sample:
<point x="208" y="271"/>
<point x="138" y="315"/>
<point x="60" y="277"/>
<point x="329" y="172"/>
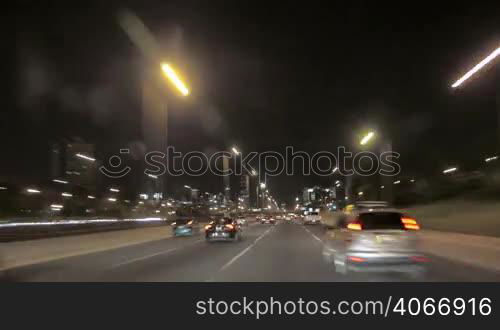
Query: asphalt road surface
<point x="284" y="252"/>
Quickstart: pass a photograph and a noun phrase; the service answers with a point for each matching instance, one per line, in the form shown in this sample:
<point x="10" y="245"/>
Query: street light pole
<point x="385" y="147"/>
<point x="262" y="186"/>
<point x="386" y="194"/>
<point x="155" y="105"/>
<point x="153" y="100"/>
<point x="226" y="179"/>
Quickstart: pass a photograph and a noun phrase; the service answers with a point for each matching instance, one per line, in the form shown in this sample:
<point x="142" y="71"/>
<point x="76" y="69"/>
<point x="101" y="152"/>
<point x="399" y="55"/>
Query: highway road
<point x="285" y="252"/>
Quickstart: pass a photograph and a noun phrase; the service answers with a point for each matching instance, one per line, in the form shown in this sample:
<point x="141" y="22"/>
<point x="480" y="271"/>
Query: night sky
<point x="263" y="76"/>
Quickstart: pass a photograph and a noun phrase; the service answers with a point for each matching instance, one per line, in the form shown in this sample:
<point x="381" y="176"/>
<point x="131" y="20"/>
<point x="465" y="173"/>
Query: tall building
<point x="195" y="195"/>
<point x="245" y="189"/>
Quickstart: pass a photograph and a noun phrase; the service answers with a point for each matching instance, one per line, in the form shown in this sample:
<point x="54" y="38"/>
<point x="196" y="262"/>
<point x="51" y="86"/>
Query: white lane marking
<point x="248" y="248"/>
<point x="143" y="258"/>
<point x="129" y="261"/>
<point x="314" y="236"/>
<point x="262" y="236"/>
<point x="317" y="238"/>
<point x="236" y="257"/>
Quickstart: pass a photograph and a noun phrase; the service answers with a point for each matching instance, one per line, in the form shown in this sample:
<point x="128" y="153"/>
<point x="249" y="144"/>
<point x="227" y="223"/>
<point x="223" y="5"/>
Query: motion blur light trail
<point x="175" y="79"/>
<point x="477" y="67"/>
<point x="76" y="222"/>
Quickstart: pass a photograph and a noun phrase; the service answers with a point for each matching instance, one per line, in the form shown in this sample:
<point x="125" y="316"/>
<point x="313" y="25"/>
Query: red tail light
<point x="410" y="223"/>
<point x="419" y="259"/>
<point x="356" y="259"/>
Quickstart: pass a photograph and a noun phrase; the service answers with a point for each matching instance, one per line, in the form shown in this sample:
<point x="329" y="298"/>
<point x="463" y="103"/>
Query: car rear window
<point x="224" y="221"/>
<point x="182" y="221"/>
<point x="381" y="220"/>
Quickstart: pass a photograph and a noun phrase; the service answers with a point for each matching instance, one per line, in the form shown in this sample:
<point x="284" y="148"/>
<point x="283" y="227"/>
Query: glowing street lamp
<point x="449" y="170"/>
<point x="366" y="138"/>
<point x="172" y="76"/>
<point x="477" y="67"/>
<point x="236" y="152"/>
<point x="82" y="156"/>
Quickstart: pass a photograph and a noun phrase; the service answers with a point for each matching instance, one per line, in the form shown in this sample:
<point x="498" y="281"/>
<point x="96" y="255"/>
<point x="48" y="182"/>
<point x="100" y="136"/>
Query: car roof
<point x="371" y="204"/>
<point x="378" y="210"/>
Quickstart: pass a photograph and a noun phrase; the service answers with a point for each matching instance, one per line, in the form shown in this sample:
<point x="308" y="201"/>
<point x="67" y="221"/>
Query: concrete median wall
<point x="461" y="216"/>
<point x="16" y="254"/>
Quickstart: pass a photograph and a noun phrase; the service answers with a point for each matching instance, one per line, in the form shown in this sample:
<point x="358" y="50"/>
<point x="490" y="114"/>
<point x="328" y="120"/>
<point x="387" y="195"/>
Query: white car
<point x="241" y="221"/>
<point x="376" y="240"/>
<point x="312" y="218"/>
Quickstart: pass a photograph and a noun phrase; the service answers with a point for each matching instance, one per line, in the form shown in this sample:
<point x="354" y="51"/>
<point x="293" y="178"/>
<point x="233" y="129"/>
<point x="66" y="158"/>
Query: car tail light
<point x="230" y="227"/>
<point x="356" y="259"/>
<point x="190" y="222"/>
<point x="356" y="225"/>
<point x="208" y="227"/>
<point x="419" y="259"/>
<point x="410" y="223"/>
